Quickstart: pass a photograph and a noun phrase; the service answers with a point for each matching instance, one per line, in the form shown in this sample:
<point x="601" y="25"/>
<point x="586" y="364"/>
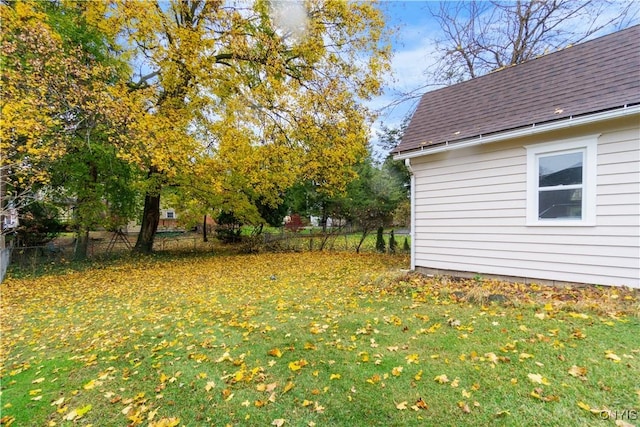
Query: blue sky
<point x="414" y="32"/>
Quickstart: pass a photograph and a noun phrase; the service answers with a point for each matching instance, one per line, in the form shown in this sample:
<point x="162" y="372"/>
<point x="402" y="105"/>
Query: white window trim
<point x="587" y="143"/>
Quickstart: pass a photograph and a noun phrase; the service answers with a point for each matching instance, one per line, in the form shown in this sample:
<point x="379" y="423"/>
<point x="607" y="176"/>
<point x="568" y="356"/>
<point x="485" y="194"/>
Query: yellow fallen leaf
<point x="464" y="407"/>
<point x="288" y="387"/>
<point x="165" y="422"/>
<point x="578" y="315"/>
<point x="77" y="413"/>
<point x="278" y="422"/>
<point x="374" y="379"/>
<point x="275" y="352"/>
<point x="402" y="405"/>
<point x="270" y="387"/>
<point x="584" y="406"/>
<point x="577" y="371"/>
<point x="611" y="356"/>
<point x="491" y="357"/>
<point x="335" y="377"/>
<point x="538" y="379"/>
<point x="70" y="416"/>
<point x="455" y="382"/>
<point x="441" y="379"/>
<point x="412" y="358"/>
<point x="37" y="381"/>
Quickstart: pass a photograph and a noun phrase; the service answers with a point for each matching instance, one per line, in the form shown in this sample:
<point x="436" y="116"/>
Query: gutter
<point x="412" y="232"/>
<point x="533" y="129"/>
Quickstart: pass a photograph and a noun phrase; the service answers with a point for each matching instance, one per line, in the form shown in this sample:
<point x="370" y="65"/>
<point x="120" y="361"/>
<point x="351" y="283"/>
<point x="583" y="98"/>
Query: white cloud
<point x="290" y="16"/>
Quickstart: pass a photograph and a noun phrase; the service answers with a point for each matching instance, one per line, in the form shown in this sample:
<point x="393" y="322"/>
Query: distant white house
<point x="532" y="173"/>
<point x="168" y="222"/>
<point x="315" y="221"/>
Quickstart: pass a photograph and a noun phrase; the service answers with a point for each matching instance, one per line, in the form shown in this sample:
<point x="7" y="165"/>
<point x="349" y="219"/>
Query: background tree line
<point x="109" y="106"/>
<point x="247" y="110"/>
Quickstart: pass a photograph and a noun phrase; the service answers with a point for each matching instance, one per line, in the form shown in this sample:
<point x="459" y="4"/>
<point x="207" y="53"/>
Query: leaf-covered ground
<point x="311" y="339"/>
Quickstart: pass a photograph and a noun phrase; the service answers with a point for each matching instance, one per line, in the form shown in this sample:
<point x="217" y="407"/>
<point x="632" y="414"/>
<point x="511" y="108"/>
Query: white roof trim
<point x="533" y="129"/>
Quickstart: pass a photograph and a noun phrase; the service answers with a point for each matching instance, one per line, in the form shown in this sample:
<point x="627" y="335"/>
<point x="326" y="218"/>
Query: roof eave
<point x="533" y="129"/>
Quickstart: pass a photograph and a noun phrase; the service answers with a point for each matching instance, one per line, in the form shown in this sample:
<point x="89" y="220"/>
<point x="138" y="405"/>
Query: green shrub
<point x="380" y="245"/>
<point x="392" y="243"/>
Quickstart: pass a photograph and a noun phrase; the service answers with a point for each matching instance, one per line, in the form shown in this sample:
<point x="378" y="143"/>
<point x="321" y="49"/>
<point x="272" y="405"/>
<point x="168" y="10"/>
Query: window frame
<point x="587" y="145"/>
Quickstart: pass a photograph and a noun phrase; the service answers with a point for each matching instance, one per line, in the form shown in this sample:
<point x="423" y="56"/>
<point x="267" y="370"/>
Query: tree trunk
<point x="82" y="245"/>
<point x="324" y="217"/>
<point x="204" y="229"/>
<point x="150" y="220"/>
<point x="365" y="232"/>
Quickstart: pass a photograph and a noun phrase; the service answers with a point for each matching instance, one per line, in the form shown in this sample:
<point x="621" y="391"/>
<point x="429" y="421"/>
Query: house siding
<point x="470" y="213"/>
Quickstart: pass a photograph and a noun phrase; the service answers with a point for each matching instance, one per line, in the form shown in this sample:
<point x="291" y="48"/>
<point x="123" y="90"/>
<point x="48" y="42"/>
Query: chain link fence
<point x="30" y="259"/>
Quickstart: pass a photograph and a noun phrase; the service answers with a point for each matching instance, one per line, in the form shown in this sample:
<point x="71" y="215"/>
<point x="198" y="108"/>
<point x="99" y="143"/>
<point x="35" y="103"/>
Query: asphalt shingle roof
<point x="597" y="75"/>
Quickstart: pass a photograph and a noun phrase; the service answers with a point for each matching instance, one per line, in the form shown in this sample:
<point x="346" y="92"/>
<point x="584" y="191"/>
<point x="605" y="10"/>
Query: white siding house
<point x="544" y="199"/>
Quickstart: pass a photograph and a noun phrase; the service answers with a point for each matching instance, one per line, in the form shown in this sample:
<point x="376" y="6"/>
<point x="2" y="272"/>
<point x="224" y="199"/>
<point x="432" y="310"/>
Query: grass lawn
<point x="311" y="339"/>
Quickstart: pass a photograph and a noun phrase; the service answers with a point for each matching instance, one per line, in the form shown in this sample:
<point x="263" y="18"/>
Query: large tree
<point x="483" y="36"/>
<point x="61" y="113"/>
<point x="243" y="99"/>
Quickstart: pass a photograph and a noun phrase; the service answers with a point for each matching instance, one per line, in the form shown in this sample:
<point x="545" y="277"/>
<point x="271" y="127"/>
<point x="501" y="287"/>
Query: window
<point x="170" y="215"/>
<point x="561" y="180"/>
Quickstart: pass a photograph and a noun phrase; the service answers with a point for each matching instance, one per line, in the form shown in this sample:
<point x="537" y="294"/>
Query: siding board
<point x="471" y="214"/>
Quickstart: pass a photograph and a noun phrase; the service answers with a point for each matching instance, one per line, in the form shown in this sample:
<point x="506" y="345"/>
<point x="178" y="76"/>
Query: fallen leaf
<point x="421" y="404"/>
<point x="278" y="422"/>
<point x="584" y="406"/>
<point x="577" y="371"/>
<point x="538" y="379"/>
<point x="412" y="358"/>
<point x="611" y="356"/>
<point x="441" y="379"/>
<point x="275" y="352"/>
<point x="402" y="405"/>
<point x="464" y="407"/>
<point x="166" y="422"/>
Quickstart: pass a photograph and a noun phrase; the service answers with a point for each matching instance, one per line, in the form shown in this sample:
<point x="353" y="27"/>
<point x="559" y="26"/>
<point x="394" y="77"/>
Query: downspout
<point x="412" y="232"/>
